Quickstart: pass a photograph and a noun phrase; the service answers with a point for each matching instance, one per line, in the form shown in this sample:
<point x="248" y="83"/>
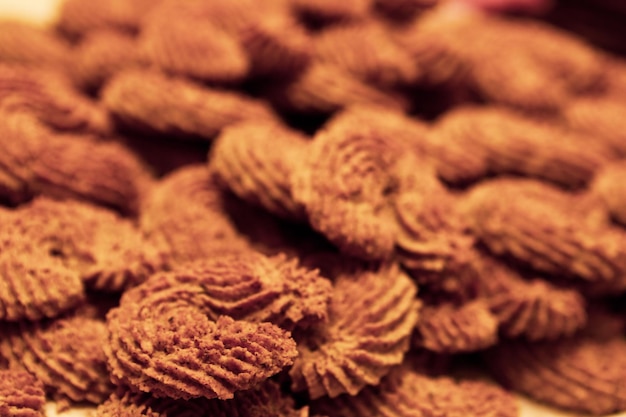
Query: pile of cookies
<point x="309" y="208"/>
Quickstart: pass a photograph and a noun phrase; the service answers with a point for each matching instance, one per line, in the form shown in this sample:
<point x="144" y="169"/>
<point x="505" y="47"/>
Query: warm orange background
<point x="41" y="11"/>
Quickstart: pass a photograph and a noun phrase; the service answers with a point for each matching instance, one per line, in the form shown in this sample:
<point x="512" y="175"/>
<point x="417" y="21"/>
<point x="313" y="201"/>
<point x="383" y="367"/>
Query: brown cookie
<point x="545" y="235"/>
<point x="27" y="44"/>
<point x="34" y="287"/>
<point x="50" y="96"/>
<point x="579" y="374"/>
<point x="371" y="316"/>
<point x="324" y="89"/>
<point x="407" y="393"/>
<point x="556" y="65"/>
<point x="105" y="250"/>
<point x="448" y="328"/>
<point x="347" y="183"/>
<point x="65" y="354"/>
<point x="36" y="161"/>
<point x="192" y="47"/>
<point x="175" y="350"/>
<point x="244" y="160"/>
<point x="499" y="142"/>
<point x="245" y="286"/>
<point x="433" y="242"/>
<point x="100" y="55"/>
<point x="277" y="46"/>
<point x="194" y="224"/>
<point x="266" y="401"/>
<point x="367" y="52"/>
<point x="186" y="109"/>
<point x="530" y="307"/>
<point x="21" y="394"/>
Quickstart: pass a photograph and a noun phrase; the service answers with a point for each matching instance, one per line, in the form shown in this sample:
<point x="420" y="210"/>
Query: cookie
<point x="49" y="95"/>
<point x="579" y="374"/>
<point x="453" y="329"/>
<point x="507" y="143"/>
<point x="21" y="394"/>
<point x="544" y="235"/>
<point x="201" y="112"/>
<point x="51" y="164"/>
<point x="245" y="286"/>
<point x="243" y="161"/>
<point x="27" y="44"/>
<point x="65" y="354"/>
<point x="106" y="251"/>
<point x="405" y="392"/>
<point x="193" y="225"/>
<point x="367" y="52"/>
<point x="267" y="400"/>
<point x="32" y="287"/>
<point x="353" y="350"/>
<point x="530" y="307"/>
<point x="100" y="55"/>
<point x="323" y="89"/>
<point x="177" y="351"/>
<point x="193" y="48"/>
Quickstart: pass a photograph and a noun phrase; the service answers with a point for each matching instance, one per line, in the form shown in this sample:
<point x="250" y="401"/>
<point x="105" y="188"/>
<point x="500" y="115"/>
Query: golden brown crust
<point x="555" y="65"/>
<point x="82" y="168"/>
<point x="243" y="158"/>
<point x="560" y="64"/>
<point x="353" y="349"/>
<point x="65" y="354"/>
<point x="432" y="50"/>
<point x="277" y="47"/>
<point x="21" y="394"/>
<point x="578" y="374"/>
<point x="406" y="393"/>
<point x="185" y="109"/>
<point x="406" y="130"/>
